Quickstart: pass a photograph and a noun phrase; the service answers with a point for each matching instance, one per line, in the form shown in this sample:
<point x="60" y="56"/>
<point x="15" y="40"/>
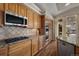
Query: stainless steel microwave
<point x="12" y="19"/>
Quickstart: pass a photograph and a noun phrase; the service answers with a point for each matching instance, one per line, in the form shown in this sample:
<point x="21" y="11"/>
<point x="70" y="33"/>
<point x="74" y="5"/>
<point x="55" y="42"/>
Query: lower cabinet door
<point x="20" y="48"/>
<point x="18" y="52"/>
<point x="4" y="51"/>
<point x="28" y="48"/>
<point x="77" y="51"/>
<point x="34" y="45"/>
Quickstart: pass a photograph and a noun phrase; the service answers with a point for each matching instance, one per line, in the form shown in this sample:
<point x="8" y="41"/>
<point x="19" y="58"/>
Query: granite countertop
<point x="2" y="44"/>
<point x="68" y="41"/>
<point x="7" y="41"/>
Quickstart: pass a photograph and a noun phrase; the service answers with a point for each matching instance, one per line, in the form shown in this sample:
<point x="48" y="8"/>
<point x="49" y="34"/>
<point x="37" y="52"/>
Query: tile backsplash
<point x="11" y="31"/>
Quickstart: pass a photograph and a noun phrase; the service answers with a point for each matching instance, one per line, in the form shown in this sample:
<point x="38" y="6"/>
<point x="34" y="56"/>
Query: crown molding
<point x="38" y="10"/>
<point x="34" y="7"/>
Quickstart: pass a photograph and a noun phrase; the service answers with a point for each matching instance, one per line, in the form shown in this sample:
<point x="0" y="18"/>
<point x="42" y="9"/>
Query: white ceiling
<point x="52" y="9"/>
<point x="55" y="8"/>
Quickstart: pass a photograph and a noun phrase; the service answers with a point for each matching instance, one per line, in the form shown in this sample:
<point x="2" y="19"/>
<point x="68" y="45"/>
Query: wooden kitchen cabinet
<point x="4" y="51"/>
<point x="1" y="14"/>
<point x="34" y="45"/>
<point x="1" y="6"/>
<point x="20" y="48"/>
<point x="11" y="7"/>
<point x="16" y="8"/>
<point x="77" y="51"/>
<point x="28" y="48"/>
<point x="1" y="19"/>
<point x="42" y="28"/>
<point x="42" y="31"/>
<point x="22" y="10"/>
<point x="6" y="7"/>
<point x="30" y="20"/>
<point x="37" y="20"/>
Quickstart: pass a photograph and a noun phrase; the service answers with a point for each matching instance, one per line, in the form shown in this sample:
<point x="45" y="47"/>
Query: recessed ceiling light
<point x="67" y="4"/>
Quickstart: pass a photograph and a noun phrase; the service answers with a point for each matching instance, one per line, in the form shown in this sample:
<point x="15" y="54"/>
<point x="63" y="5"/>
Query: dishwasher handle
<point x="63" y="43"/>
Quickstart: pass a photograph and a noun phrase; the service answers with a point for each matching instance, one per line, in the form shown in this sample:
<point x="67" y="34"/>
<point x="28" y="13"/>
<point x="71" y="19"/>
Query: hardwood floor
<point x="49" y="50"/>
<point x="53" y="46"/>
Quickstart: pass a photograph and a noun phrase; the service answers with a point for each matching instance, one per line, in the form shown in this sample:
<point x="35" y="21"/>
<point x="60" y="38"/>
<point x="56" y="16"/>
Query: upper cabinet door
<point x="30" y="18"/>
<point x="22" y="10"/>
<point x="1" y="7"/>
<point x="6" y="7"/>
<point x="1" y="14"/>
<point x="1" y="19"/>
<point x="37" y="21"/>
<point x="12" y="7"/>
<point x="16" y="8"/>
